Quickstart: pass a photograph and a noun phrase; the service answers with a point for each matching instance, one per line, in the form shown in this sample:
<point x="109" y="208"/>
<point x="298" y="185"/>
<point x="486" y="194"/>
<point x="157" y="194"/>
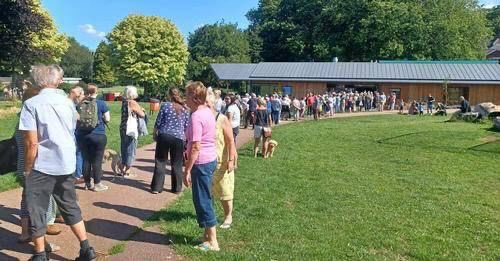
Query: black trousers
<point x="167" y="144"/>
<point x="250" y="117"/>
<point x="92" y="146"/>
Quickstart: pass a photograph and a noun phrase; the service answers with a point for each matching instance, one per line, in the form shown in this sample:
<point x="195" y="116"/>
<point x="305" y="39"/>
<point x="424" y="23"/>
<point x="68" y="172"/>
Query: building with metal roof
<point x="478" y="81"/>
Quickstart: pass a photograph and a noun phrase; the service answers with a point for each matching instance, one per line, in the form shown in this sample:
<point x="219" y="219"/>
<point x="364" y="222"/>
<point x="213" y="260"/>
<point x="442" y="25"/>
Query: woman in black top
<point x="262" y="120"/>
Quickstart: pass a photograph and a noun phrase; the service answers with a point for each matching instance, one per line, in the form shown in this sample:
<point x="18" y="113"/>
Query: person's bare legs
<point x="39" y="243"/>
<point x="265" y="143"/>
<point x="79" y="231"/>
<point x="256" y="147"/>
<point x="227" y="205"/>
<point x="211" y="236"/>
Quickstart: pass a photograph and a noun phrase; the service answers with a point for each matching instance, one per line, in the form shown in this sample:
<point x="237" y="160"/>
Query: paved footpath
<point x="111" y="217"/>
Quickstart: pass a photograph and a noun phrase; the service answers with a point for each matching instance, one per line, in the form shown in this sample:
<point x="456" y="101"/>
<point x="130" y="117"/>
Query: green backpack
<point x="88" y="114"/>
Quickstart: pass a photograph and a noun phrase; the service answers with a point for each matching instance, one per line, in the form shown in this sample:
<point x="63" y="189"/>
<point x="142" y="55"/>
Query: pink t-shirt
<point x="202" y="128"/>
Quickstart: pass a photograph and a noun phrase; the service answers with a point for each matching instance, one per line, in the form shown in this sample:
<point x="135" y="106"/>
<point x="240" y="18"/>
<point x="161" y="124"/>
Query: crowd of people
<point x="62" y="141"/>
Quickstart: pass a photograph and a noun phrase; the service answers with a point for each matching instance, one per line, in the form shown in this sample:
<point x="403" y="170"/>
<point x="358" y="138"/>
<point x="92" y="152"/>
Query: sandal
<point x="225" y="226"/>
<point x="205" y="247"/>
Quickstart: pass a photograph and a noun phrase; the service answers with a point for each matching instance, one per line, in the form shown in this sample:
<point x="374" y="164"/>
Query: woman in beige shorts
<point x="223" y="178"/>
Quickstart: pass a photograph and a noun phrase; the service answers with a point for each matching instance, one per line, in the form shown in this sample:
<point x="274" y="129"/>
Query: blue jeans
<point x="201" y="177"/>
<point x="128" y="146"/>
<point x="275" y="116"/>
<point x="79" y="163"/>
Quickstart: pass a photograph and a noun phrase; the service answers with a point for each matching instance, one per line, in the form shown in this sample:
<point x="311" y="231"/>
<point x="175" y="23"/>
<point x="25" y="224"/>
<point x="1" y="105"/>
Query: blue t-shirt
<point x="100" y="128"/>
<point x="102" y="108"/>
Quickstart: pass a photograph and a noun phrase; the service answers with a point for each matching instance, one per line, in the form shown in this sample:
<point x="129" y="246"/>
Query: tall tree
<point x="364" y="30"/>
<point x="149" y="51"/>
<point x="216" y="43"/>
<point x="77" y="61"/>
<point x="103" y="68"/>
<point x="28" y="36"/>
<point x="493" y="16"/>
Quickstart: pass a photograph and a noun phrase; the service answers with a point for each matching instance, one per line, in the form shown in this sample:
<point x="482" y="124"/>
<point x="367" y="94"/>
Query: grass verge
<point x="376" y="188"/>
<point x="117" y="249"/>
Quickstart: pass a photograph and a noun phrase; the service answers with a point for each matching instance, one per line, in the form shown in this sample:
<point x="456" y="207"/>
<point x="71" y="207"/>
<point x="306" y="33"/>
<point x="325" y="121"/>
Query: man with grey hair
<point x="48" y="122"/>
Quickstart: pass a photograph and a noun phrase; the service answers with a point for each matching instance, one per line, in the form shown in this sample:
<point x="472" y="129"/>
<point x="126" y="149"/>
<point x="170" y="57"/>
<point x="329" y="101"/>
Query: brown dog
<point x="270" y="148"/>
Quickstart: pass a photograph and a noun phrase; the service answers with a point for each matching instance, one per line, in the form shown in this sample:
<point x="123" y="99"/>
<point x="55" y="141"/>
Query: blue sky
<point x="90" y="20"/>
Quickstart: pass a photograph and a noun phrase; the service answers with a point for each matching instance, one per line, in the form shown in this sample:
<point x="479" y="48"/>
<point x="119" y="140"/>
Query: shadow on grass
<point x="171" y="216"/>
<point x="493" y="129"/>
<point x="485" y="147"/>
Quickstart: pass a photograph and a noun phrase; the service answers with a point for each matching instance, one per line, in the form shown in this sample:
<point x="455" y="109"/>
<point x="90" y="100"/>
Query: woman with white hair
<point x="128" y="139"/>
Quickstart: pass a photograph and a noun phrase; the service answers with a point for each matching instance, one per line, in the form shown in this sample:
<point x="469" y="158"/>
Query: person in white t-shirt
<point x="233" y="113"/>
<point x="219" y="103"/>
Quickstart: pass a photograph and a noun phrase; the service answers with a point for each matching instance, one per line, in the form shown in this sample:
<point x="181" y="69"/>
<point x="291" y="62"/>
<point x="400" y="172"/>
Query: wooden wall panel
<point x="409" y="92"/>
<point x="484" y="93"/>
<point x="477" y="93"/>
<point x="300" y="89"/>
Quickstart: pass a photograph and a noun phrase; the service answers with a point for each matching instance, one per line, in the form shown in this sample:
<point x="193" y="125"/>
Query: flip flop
<point x="225" y="226"/>
<point x="205" y="247"/>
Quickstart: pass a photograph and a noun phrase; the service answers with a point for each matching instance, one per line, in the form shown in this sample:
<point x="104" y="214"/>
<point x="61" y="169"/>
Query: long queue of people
<point x="62" y="143"/>
<point x="282" y="107"/>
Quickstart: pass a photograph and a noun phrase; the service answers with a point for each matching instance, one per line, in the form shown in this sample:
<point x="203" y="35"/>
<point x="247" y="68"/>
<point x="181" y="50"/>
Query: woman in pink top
<point x="201" y="162"/>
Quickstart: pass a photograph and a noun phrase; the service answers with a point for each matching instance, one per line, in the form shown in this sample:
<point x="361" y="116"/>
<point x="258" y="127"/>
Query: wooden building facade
<point x="477" y="82"/>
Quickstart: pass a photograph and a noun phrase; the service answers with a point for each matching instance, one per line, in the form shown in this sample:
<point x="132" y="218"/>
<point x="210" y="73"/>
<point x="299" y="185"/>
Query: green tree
<point x="493" y="16"/>
<point x="149" y="51"/>
<point x="77" y="61"/>
<point x="103" y="68"/>
<point x="28" y="36"/>
<point x="364" y="30"/>
<point x="216" y="43"/>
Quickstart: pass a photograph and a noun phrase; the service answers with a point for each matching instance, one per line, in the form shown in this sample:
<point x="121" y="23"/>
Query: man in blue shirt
<point x="48" y="122"/>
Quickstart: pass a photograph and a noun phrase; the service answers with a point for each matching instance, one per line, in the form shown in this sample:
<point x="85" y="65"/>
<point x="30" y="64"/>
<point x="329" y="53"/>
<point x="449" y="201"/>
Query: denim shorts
<point x="201" y="177"/>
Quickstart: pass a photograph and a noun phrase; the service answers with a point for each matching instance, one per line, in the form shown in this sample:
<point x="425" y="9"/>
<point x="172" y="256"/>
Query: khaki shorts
<point x="223" y="184"/>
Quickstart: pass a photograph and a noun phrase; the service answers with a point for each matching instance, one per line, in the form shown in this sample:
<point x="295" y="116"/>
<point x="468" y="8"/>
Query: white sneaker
<point x="100" y="187"/>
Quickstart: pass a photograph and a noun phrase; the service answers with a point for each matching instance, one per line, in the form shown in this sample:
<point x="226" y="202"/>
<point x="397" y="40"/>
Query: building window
<point x="454" y="94"/>
<point x="397" y="91"/>
<point x="287" y="90"/>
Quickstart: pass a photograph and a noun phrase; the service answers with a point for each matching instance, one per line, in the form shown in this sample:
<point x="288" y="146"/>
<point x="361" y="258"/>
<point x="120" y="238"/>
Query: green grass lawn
<point x="368" y="188"/>
<point x="9" y="122"/>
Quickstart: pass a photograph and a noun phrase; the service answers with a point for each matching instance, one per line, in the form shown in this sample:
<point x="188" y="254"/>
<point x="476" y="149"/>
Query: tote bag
<point x="132" y="128"/>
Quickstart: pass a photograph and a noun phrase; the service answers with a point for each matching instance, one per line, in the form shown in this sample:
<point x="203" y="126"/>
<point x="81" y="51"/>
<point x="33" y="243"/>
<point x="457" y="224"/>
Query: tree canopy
<point x="28" y="35"/>
<point x="149" y="51"/>
<point x="77" y="61"/>
<point x="216" y="43"/>
<point x="364" y="30"/>
<point x="493" y="16"/>
<point x="103" y="68"/>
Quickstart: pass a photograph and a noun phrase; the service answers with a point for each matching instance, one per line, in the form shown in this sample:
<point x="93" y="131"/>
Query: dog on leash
<point x="116" y="161"/>
<point x="270" y="148"/>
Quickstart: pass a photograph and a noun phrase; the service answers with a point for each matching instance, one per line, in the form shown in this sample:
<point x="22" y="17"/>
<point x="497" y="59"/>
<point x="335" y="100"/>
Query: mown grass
<point x="370" y="188"/>
<point x="8" y="124"/>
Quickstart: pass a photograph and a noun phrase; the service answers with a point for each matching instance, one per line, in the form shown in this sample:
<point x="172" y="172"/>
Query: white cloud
<point x="90" y="29"/>
<point x="490" y="3"/>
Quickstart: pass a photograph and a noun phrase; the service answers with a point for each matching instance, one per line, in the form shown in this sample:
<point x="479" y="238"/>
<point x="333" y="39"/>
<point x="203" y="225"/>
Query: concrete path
<point x="112" y="217"/>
